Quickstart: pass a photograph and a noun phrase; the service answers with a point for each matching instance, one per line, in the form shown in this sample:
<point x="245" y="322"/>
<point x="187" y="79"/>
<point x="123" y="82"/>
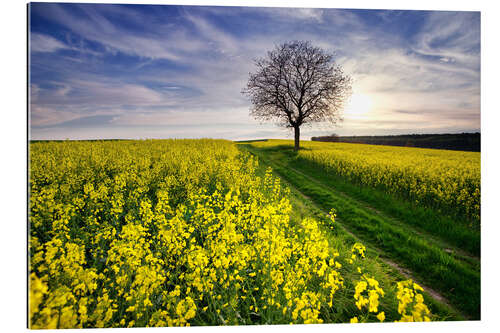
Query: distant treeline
<point x="462" y="141"/>
<point x="60" y="140"/>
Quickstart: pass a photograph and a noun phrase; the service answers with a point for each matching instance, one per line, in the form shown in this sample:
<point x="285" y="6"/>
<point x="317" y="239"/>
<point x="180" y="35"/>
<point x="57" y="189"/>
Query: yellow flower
<point x="134" y="233"/>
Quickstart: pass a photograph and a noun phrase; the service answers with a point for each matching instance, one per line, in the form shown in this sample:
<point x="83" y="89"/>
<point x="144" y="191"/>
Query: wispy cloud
<point x="44" y="43"/>
<point x="136" y="67"/>
<point x="453" y="36"/>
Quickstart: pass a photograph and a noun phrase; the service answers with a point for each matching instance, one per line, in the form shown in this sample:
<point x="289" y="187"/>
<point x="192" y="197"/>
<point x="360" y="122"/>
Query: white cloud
<point x="451" y="35"/>
<point x="46" y="116"/>
<point x="425" y="81"/>
<point x="214" y="37"/>
<point x="44" y="43"/>
<point x="179" y="117"/>
<point x="77" y="98"/>
<point x="34" y="90"/>
<point x="96" y="27"/>
<point x="302" y="14"/>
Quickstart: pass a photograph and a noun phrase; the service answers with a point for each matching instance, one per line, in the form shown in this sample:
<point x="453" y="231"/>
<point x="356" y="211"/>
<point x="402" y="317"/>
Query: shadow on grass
<point x="284" y="148"/>
<point x="250" y="141"/>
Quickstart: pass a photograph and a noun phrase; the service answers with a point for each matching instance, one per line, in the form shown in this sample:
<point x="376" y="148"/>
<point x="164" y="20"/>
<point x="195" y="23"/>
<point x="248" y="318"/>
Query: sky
<point x="100" y="71"/>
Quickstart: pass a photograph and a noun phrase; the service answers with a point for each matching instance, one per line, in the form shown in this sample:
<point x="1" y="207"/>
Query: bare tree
<point x="297" y="83"/>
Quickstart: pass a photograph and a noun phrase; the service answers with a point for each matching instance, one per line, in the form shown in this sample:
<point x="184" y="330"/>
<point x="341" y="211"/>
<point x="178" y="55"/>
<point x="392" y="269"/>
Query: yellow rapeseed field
<point x="179" y="232"/>
<point x="443" y="179"/>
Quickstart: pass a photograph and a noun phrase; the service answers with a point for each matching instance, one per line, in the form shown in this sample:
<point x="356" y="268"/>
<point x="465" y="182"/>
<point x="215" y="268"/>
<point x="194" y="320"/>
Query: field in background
<point x="462" y="141"/>
<point x="418" y="208"/>
<point x="447" y="181"/>
<point x="193" y="232"/>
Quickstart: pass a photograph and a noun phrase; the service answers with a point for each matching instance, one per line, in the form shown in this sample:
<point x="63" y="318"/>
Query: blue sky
<point x="136" y="71"/>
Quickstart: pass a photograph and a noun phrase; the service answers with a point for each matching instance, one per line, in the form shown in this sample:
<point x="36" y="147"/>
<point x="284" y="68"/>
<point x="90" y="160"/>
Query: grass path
<point x="452" y="272"/>
<point x="451" y="249"/>
<point x="453" y="230"/>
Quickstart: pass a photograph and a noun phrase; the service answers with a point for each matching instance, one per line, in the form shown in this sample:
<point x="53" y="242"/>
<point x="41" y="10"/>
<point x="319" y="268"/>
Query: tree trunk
<point x="297" y="138"/>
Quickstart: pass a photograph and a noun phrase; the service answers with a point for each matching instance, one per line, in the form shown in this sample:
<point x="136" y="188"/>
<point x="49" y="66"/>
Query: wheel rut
<point x="407" y="274"/>
<point x="448" y="248"/>
<point x="403" y="271"/>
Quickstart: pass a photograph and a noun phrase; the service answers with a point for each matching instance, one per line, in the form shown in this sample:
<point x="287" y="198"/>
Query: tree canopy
<point x="297" y="83"/>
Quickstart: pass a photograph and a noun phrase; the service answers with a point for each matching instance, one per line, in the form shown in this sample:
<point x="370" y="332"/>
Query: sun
<point x="359" y="104"/>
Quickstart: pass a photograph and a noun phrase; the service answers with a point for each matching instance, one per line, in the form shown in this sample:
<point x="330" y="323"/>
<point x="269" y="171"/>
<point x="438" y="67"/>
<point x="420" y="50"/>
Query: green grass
<point x="455" y="277"/>
<point x="342" y="241"/>
<point x="422" y="218"/>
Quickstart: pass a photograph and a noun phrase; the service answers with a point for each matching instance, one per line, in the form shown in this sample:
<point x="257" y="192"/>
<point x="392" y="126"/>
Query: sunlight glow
<point x="359" y="105"/>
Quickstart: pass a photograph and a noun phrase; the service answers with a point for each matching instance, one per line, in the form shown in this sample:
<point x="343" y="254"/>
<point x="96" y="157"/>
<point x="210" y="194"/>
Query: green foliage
<point x="455" y="276"/>
<point x="181" y="232"/>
